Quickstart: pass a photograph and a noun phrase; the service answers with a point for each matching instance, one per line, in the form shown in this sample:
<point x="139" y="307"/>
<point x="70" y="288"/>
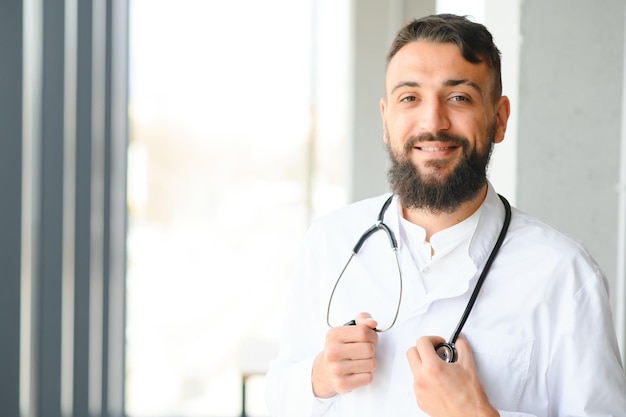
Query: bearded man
<point x="540" y="340"/>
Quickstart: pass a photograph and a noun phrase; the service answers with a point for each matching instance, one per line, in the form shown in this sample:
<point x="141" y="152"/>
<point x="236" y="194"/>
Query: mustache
<point x="455" y="140"/>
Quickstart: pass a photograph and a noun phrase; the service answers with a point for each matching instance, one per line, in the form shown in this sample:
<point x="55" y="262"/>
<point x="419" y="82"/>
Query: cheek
<point x="397" y="128"/>
<point x="478" y="132"/>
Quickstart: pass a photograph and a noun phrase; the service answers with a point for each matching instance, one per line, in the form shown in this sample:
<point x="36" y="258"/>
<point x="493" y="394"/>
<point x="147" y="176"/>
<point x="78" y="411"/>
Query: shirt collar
<point x="491" y="216"/>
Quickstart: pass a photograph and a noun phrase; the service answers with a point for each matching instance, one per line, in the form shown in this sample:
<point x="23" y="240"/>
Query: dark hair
<point x="473" y="39"/>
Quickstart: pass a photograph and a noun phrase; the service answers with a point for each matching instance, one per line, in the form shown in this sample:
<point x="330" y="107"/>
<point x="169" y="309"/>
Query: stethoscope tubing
<point x="483" y="274"/>
<point x="379" y="225"/>
<point x="446" y="350"/>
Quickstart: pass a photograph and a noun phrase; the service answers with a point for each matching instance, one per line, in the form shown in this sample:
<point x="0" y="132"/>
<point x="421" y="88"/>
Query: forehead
<point x="431" y="63"/>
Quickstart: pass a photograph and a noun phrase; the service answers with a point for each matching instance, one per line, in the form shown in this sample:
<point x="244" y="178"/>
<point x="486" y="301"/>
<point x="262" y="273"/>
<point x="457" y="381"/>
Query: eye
<point x="408" y="99"/>
<point x="460" y="99"/>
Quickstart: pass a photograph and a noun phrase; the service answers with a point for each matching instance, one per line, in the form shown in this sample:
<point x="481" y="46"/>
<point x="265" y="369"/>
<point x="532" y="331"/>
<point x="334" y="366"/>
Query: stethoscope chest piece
<point x="447" y="352"/>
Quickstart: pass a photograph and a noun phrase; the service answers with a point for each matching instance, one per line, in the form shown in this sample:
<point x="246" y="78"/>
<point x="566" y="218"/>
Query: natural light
<point x="237" y="139"/>
<point x="220" y="193"/>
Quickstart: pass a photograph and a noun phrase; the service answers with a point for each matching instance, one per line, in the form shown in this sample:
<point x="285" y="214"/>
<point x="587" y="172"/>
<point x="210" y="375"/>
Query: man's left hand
<point x="447" y="389"/>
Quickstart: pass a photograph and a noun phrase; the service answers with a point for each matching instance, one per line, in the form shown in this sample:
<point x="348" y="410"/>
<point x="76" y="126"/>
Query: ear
<point x="503" y="111"/>
<point x="383" y="106"/>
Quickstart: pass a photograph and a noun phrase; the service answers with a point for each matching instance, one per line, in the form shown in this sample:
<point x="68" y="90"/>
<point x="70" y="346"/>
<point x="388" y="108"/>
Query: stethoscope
<point x="445" y="350"/>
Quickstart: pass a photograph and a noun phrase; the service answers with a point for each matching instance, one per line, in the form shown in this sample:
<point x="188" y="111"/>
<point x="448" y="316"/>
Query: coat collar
<point x="484" y="237"/>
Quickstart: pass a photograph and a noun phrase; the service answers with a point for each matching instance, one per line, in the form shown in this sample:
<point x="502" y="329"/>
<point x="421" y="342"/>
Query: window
<point x="222" y="183"/>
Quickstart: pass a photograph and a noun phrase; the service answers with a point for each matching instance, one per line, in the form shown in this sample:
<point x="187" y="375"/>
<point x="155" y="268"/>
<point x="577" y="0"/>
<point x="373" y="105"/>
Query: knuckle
<point x="368" y="378"/>
<point x="371" y="366"/>
<point x="335" y="368"/>
<point x="343" y="385"/>
<point x="332" y="355"/>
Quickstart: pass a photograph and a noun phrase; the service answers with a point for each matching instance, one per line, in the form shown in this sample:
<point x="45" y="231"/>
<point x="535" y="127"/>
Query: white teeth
<point x="432" y="149"/>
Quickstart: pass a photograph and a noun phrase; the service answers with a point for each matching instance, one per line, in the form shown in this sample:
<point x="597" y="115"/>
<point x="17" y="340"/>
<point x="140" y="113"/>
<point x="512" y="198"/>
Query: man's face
<point x="440" y="123"/>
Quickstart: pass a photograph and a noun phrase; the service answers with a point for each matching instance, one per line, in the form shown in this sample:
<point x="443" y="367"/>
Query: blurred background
<point x="162" y="161"/>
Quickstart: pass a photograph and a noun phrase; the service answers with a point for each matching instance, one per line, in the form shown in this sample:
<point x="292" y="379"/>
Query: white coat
<point x="541" y="331"/>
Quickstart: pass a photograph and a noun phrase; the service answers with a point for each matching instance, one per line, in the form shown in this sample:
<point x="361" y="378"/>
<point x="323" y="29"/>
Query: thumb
<point x="464" y="352"/>
<point x="366" y="320"/>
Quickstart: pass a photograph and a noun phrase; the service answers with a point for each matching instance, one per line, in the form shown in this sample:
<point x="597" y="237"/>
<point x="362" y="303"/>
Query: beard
<point x="434" y="192"/>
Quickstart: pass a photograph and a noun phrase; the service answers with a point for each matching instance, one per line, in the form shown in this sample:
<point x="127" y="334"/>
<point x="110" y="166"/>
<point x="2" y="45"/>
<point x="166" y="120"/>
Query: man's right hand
<point x="347" y="361"/>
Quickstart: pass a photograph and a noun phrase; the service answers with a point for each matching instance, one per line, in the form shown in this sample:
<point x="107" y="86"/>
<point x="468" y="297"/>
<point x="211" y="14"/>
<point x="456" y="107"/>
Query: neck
<point x="434" y="222"/>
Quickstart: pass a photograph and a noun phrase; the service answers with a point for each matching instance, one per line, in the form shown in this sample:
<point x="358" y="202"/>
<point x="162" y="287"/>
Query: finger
<point x="426" y="346"/>
<point x="350" y="357"/>
<point x="350" y="334"/>
<point x="357" y="350"/>
<point x="414" y="359"/>
<point x="366" y="320"/>
<point x="349" y="382"/>
<point x="359" y="366"/>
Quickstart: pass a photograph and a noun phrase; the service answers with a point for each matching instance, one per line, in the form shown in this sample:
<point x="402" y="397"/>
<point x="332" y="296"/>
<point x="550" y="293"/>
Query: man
<point x="539" y="341"/>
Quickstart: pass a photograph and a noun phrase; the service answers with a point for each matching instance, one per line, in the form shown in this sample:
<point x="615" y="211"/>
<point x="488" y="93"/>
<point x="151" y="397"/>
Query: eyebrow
<point x="448" y="83"/>
<point x="453" y="83"/>
<point x="404" y="84"/>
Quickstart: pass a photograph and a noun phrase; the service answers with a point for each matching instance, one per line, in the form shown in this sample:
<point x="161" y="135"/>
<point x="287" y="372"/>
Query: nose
<point x="433" y="116"/>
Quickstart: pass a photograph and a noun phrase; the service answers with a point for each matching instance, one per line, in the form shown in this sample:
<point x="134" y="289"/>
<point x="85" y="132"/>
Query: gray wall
<point x="570" y="122"/>
<point x="374" y="24"/>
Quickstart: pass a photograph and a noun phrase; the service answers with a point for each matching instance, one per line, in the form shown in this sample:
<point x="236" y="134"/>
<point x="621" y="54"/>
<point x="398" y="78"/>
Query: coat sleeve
<point x="586" y="376"/>
<point x="289" y="391"/>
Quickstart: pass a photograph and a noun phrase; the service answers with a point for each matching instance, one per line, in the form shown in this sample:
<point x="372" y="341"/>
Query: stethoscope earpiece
<point x="447" y="352"/>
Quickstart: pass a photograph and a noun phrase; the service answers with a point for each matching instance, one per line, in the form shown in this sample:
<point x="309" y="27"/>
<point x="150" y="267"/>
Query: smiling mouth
<point x="435" y="148"/>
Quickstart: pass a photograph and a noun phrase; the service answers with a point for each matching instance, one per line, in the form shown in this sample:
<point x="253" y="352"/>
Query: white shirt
<point x="541" y="330"/>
